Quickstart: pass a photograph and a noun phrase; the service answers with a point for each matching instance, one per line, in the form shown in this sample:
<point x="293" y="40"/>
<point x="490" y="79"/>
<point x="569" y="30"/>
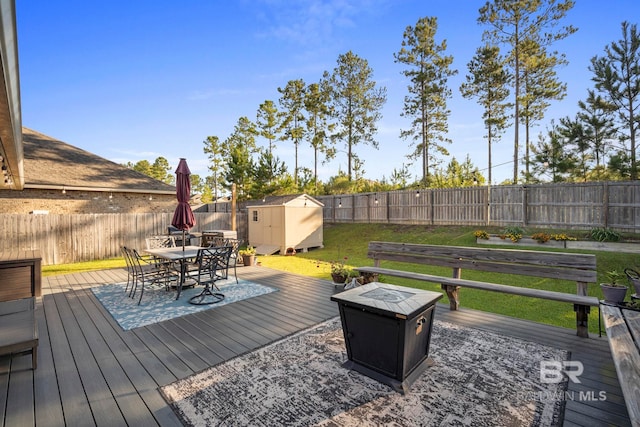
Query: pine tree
<point x="553" y="156"/>
<point x="356" y="104"/>
<point x="216" y="154"/>
<point x="514" y="23"/>
<point x="316" y="103"/>
<point x="292" y="103"/>
<point x="617" y="76"/>
<point x="487" y="80"/>
<point x="426" y="103"/>
<point x="540" y="85"/>
<point x="240" y="147"/>
<point x="269" y="125"/>
<point x="596" y="117"/>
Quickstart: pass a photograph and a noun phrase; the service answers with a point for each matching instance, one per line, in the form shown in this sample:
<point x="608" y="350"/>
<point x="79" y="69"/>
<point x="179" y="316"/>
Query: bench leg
<point x="452" y="294"/>
<point x="582" y="319"/>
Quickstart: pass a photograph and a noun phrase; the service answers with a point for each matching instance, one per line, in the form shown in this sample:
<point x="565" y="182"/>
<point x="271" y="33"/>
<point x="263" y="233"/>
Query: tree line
<point x="512" y="76"/>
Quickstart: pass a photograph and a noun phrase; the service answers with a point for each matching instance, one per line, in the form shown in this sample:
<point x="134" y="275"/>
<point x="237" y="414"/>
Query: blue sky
<point x="133" y="80"/>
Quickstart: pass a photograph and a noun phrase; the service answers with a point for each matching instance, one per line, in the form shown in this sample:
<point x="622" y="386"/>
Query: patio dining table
<point x="178" y="253"/>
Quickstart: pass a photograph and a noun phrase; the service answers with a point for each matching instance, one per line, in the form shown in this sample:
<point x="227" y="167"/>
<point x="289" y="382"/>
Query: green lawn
<point x="350" y="241"/>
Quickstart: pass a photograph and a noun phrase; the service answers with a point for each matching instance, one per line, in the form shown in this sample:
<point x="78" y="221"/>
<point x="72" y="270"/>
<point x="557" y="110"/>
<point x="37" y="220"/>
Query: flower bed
<point x="523" y="241"/>
<point x="495" y="239"/>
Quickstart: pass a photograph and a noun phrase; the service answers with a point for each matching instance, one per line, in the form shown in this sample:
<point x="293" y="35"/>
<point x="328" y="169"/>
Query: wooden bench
<point x="623" y="330"/>
<point x="18" y="329"/>
<point x="580" y="268"/>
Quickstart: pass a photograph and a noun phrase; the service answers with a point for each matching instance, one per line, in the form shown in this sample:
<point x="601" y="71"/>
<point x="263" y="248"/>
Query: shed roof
<point x="281" y="200"/>
<point x="50" y="163"/>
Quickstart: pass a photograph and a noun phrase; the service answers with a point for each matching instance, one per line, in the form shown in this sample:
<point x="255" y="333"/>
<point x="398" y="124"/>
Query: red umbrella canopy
<point x="183" y="218"/>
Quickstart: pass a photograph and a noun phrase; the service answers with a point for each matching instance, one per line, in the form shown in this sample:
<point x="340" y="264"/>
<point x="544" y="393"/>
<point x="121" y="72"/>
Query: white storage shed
<point x="285" y="223"/>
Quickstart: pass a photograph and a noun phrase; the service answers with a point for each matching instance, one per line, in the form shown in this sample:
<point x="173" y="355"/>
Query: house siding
<point x="83" y="202"/>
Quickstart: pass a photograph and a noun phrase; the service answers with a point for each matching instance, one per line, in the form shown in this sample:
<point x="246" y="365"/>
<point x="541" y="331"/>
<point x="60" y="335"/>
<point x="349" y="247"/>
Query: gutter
<point x="96" y="189"/>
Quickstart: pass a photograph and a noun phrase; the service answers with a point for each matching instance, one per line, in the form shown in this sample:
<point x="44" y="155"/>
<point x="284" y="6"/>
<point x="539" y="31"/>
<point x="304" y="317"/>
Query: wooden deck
<point x="90" y="372"/>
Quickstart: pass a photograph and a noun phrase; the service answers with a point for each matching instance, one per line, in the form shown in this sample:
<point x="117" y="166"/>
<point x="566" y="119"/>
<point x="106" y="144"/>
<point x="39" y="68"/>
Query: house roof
<point x="50" y="163"/>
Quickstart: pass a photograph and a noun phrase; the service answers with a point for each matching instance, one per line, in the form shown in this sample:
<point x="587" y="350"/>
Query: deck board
<point x="91" y="372"/>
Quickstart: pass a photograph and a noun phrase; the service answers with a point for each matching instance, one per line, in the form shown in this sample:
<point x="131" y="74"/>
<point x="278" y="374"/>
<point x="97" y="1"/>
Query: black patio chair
<point x="216" y="240"/>
<point x="233" y="258"/>
<point x="210" y="266"/>
<point x="155" y="242"/>
<point x="150" y="273"/>
<point x="131" y="273"/>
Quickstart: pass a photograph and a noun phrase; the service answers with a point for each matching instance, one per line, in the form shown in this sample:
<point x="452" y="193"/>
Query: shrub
<point x="481" y="234"/>
<point x="541" y="237"/>
<point x="249" y="250"/>
<point x="562" y="237"/>
<point x="604" y="235"/>
<point x="513" y="233"/>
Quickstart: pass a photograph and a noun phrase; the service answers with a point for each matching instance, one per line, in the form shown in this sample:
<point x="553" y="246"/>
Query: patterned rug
<point x="479" y="378"/>
<point x="158" y="305"/>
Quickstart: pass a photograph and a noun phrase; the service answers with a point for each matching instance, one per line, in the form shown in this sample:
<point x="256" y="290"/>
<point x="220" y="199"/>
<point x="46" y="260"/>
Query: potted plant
<point x="614" y="291"/>
<point x="248" y="255"/>
<point x="634" y="278"/>
<point x="339" y="271"/>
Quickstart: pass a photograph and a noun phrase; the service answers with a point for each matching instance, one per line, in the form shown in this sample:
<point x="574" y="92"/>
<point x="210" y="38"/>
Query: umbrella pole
<point x="183" y="237"/>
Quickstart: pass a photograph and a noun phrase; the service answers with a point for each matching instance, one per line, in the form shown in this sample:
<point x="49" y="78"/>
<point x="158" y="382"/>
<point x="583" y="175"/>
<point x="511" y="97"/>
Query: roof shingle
<point x="48" y="161"/>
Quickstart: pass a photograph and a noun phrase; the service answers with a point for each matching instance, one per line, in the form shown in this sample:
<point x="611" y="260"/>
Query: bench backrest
<point x="555" y="265"/>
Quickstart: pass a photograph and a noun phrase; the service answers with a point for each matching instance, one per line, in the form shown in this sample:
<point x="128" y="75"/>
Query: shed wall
<point x="288" y="226"/>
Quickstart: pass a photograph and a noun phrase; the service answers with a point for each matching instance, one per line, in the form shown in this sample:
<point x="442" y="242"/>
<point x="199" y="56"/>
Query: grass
<point x="350" y="241"/>
<point x="79" y="267"/>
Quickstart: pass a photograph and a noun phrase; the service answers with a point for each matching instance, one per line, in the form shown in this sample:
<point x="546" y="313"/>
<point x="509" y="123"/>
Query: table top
<point x="619" y="319"/>
<point x="384" y="297"/>
<point x="623" y="330"/>
<point x="175" y="253"/>
<point x="20" y="255"/>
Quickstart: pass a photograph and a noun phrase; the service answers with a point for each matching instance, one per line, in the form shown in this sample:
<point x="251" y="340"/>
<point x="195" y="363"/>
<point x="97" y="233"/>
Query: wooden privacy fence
<point x="614" y="205"/>
<point x="66" y="238"/>
<point x="71" y="238"/>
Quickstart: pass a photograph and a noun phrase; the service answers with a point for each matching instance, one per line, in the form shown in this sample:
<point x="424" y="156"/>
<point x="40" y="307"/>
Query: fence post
<point x="525" y="207"/>
<point x="333" y="209"/>
<point x="488" y="204"/>
<point x="353" y="208"/>
<point x="605" y="204"/>
<point x="387" y="203"/>
<point x="233" y="207"/>
<point x="432" y="199"/>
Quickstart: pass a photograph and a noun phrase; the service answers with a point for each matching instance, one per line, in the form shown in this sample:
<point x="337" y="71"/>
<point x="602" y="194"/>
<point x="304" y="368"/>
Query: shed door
<point x="272" y="230"/>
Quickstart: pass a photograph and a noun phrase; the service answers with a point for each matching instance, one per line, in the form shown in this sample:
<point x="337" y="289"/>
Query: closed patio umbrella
<point x="183" y="218"/>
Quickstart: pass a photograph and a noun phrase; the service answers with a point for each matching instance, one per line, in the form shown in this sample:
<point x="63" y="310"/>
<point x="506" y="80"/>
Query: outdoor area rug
<point x="158" y="305"/>
<point x="479" y="378"/>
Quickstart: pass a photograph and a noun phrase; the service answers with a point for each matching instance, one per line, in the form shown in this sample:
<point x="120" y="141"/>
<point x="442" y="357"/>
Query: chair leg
<point x="235" y="269"/>
<point x="134" y="287"/>
<point x="141" y="291"/>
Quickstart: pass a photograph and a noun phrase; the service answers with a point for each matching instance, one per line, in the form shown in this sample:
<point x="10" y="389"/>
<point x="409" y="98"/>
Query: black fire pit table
<point x="387" y="331"/>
